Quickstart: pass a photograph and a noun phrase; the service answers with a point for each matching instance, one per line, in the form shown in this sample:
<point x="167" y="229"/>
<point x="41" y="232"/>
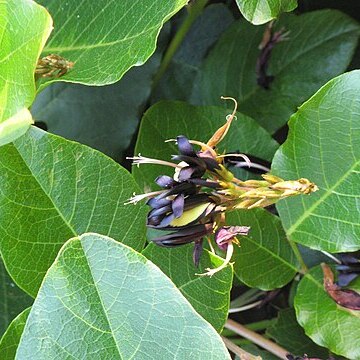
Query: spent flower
<point x="192" y="203"/>
<point x="53" y="66"/>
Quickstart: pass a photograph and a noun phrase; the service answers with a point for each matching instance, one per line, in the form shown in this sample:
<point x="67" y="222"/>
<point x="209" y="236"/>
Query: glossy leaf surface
<point x="53" y="189"/>
<point x="261" y="11"/>
<point x="210" y="297"/>
<point x="105" y="38"/>
<point x="23" y="25"/>
<point x="264" y="258"/>
<point x="103" y="300"/>
<point x="324" y="146"/>
<point x="327" y="323"/>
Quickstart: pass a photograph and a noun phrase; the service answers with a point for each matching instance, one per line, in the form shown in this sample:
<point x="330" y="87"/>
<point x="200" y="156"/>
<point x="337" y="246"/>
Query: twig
<point x="257" y="339"/>
<point x="243" y="355"/>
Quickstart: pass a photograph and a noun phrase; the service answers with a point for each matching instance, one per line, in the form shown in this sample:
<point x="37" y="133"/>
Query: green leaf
<point x="103" y="300"/>
<point x="320" y="46"/>
<point x="210" y="297"/>
<point x="327" y="323"/>
<point x="178" y="80"/>
<point x="264" y="259"/>
<point x="167" y="119"/>
<point x="53" y="189"/>
<point x="15" y="126"/>
<point x="289" y="334"/>
<point x="324" y="146"/>
<point x="10" y="340"/>
<point x="104" y="117"/>
<point x="24" y="28"/>
<point x="261" y="11"/>
<point x="106" y="38"/>
<point x="12" y="299"/>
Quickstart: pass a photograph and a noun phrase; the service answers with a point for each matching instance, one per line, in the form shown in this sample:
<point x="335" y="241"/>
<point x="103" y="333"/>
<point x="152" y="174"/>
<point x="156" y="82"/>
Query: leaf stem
<point x="257" y="339"/>
<point x="304" y="268"/>
<point x="194" y="10"/>
<point x="243" y="355"/>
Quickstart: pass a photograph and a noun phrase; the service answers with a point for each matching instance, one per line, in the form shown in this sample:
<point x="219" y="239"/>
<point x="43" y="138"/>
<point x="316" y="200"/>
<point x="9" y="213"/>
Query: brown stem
<point x="242" y="354"/>
<point x="257" y="339"/>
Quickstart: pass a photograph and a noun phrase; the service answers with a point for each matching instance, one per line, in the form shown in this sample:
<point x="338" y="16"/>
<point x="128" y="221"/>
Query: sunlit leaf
<point x="261" y="11"/>
<point x="327" y="323"/>
<point x="24" y="28"/>
<point x="15" y="126"/>
<point x="106" y="38"/>
<point x="53" y="189"/>
<point x="324" y="146"/>
<point x="210" y="297"/>
<point x="103" y="300"/>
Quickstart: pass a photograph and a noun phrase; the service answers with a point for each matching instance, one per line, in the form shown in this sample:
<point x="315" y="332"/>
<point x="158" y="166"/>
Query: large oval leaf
<point x="324" y="146"/>
<point x="105" y="38"/>
<point x="327" y="323"/>
<point x="10" y="340"/>
<point x="210" y="297"/>
<point x="167" y="119"/>
<point x="264" y="259"/>
<point x="325" y="39"/>
<point x="102" y="300"/>
<point x="24" y="28"/>
<point x="261" y="11"/>
<point x="12" y="299"/>
<point x="52" y="189"/>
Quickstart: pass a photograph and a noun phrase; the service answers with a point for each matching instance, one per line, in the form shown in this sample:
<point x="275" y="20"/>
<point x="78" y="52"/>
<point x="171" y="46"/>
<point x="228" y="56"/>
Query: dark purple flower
<point x="184" y="236"/>
<point x="349" y="269"/>
<point x="163" y="217"/>
<point x="197" y="163"/>
<point x="189" y="234"/>
<point x="185" y="148"/>
<point x="165" y="181"/>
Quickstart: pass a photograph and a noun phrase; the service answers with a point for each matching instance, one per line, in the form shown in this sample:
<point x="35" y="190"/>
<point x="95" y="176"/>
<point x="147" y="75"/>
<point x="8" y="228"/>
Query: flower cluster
<point x="193" y="202"/>
<point x="52" y="66"/>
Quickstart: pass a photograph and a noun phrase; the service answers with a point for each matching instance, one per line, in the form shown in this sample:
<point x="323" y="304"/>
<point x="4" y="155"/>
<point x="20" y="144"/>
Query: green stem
<point x="304" y="268"/>
<point x="194" y="10"/>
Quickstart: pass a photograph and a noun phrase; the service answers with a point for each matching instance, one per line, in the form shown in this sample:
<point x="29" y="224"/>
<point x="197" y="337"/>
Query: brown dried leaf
<point x="347" y="298"/>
